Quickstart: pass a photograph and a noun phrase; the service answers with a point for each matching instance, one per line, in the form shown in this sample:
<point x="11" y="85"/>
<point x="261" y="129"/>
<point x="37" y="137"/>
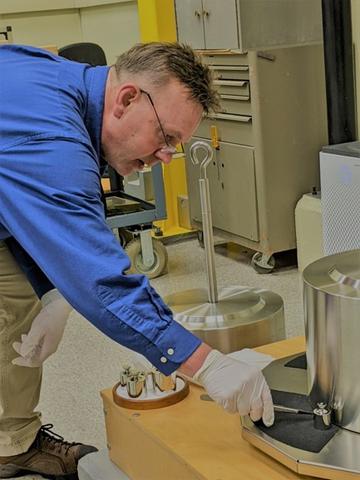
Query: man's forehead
<point x="184" y="133"/>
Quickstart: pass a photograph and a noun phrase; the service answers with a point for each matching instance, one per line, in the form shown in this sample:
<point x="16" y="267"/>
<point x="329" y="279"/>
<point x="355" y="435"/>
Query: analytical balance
<point x="328" y="375"/>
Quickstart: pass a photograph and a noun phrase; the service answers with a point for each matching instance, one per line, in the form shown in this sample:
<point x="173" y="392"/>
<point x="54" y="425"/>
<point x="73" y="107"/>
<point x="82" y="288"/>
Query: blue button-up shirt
<point x="50" y="201"/>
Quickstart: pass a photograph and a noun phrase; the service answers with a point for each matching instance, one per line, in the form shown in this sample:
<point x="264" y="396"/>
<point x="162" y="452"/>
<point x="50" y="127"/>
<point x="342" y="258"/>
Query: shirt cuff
<point x="173" y="348"/>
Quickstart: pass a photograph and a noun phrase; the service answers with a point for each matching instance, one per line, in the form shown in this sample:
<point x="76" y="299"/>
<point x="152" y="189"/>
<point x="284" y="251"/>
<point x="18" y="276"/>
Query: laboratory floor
<point x="87" y="361"/>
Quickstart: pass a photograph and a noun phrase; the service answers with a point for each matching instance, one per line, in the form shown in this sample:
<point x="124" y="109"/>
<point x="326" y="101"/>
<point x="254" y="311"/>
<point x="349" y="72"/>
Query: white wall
<point x="44" y="28"/>
<point x="114" y="25"/>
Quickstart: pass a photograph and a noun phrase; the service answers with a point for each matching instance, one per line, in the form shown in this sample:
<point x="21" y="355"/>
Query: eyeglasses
<point x="170" y="149"/>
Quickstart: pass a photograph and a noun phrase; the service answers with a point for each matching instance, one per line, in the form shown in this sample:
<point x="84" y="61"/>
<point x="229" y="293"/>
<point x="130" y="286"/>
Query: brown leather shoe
<point x="49" y="455"/>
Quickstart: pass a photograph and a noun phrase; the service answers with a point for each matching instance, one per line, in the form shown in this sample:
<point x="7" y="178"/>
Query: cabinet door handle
<point x="231" y="83"/>
<point x="206" y="13"/>
<point x="232" y="68"/>
<point x="197" y="13"/>
<point x="227" y="116"/>
<point x="240" y="98"/>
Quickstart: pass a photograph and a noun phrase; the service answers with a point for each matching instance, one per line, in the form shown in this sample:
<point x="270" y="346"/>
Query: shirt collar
<point x="95" y="80"/>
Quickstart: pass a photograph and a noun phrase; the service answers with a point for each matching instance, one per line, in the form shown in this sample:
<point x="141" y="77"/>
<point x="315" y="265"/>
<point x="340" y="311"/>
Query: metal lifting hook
<point x="206" y="215"/>
<point x="195" y="147"/>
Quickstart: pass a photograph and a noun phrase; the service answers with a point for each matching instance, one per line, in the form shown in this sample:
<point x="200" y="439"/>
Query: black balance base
<point x="293" y="440"/>
<point x="297" y="429"/>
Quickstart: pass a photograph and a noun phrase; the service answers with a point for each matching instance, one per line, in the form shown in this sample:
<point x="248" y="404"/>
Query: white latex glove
<point x="45" y="333"/>
<point x="236" y="386"/>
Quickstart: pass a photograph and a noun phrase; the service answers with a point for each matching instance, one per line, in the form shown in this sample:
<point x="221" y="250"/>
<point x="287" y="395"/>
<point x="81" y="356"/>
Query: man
<point x="59" y="120"/>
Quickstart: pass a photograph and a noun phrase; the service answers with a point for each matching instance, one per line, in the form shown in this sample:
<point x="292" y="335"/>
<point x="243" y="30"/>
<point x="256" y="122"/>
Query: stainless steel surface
<point x="242" y="317"/>
<point x="341" y="452"/>
<point x="206" y="215"/>
<point x="332" y="314"/>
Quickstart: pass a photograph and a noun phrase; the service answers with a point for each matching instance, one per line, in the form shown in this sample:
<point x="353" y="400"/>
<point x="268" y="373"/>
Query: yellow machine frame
<point x="157" y="23"/>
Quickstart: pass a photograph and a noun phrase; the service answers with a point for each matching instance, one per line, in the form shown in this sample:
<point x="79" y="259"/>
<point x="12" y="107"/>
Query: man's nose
<point x="164" y="157"/>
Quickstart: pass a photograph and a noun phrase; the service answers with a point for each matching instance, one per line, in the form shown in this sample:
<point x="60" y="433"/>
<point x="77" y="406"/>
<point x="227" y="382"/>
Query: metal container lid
<point x="337" y="274"/>
<point x="349" y="149"/>
<point x="236" y="306"/>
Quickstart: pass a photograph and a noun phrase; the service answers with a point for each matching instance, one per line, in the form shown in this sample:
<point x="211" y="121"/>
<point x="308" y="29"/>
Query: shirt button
<point x="170" y="351"/>
<point x="163" y="359"/>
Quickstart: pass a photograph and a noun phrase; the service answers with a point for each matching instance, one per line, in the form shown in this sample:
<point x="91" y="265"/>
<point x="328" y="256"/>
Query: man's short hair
<point x="163" y="61"/>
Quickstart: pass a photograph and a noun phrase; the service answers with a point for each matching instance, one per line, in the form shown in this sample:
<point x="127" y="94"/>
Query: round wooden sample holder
<point x="150" y="399"/>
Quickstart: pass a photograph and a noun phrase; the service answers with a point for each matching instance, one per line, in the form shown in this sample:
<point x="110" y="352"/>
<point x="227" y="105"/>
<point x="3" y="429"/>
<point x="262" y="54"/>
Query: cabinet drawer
<point x="235" y="104"/>
<point x="232" y="87"/>
<point x="225" y="58"/>
<point x="231" y="72"/>
<point x="231" y="128"/>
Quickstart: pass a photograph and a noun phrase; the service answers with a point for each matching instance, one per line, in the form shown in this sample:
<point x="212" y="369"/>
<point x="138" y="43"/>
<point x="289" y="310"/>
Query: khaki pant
<point x="19" y="386"/>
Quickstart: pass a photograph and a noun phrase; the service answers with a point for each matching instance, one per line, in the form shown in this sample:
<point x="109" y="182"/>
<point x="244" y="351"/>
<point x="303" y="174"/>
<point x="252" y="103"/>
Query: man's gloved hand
<point x="236" y="386"/>
<point x="45" y="333"/>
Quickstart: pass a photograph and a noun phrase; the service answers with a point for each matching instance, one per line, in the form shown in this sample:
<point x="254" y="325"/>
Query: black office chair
<point x="94" y="55"/>
<point x="84" y="52"/>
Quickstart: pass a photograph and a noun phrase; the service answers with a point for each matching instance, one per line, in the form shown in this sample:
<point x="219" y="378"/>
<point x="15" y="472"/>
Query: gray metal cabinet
<point x="232" y="164"/>
<point x="220" y="24"/>
<point x="207" y="23"/>
<point x="270" y="129"/>
<point x="190" y="24"/>
<point x="245" y="24"/>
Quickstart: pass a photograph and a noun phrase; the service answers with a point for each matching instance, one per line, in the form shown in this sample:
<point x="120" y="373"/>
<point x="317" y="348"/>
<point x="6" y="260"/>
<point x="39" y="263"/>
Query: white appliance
<point x="340" y="197"/>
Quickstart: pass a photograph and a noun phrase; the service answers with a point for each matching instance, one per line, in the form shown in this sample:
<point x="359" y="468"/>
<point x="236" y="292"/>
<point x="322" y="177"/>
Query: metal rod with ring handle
<point x="206" y="215"/>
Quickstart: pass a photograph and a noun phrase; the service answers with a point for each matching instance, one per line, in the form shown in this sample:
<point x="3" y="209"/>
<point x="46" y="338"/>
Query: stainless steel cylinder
<point x="332" y="327"/>
<point x="164" y="383"/>
<point x="208" y="239"/>
<point x="242" y="317"/>
<point x="124" y="376"/>
<point x="135" y="385"/>
<point x="206" y="215"/>
<point x="322" y="417"/>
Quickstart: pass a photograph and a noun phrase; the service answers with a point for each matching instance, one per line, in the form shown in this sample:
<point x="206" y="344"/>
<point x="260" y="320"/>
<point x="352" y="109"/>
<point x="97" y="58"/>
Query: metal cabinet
<point x="244" y="24"/>
<point x="207" y="23"/>
<point x="236" y="207"/>
<point x="266" y="142"/>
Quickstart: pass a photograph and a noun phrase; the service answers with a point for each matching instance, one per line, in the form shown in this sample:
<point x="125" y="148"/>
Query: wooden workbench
<point x="194" y="439"/>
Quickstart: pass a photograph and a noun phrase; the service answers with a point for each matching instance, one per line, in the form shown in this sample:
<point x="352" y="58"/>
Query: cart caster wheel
<point x="200" y="238"/>
<point x="133" y="249"/>
<point x="125" y="236"/>
<point x="263" y="263"/>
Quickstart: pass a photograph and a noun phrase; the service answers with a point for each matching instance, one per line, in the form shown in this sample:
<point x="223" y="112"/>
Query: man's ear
<point x="125" y="96"/>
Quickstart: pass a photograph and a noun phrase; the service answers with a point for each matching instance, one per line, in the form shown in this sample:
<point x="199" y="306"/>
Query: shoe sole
<point x="10" y="470"/>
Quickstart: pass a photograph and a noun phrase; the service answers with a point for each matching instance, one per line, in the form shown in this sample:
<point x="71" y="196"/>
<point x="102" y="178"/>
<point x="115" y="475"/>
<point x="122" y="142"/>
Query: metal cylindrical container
<point x="242" y="317"/>
<point x="165" y="383"/>
<point x="332" y="327"/>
